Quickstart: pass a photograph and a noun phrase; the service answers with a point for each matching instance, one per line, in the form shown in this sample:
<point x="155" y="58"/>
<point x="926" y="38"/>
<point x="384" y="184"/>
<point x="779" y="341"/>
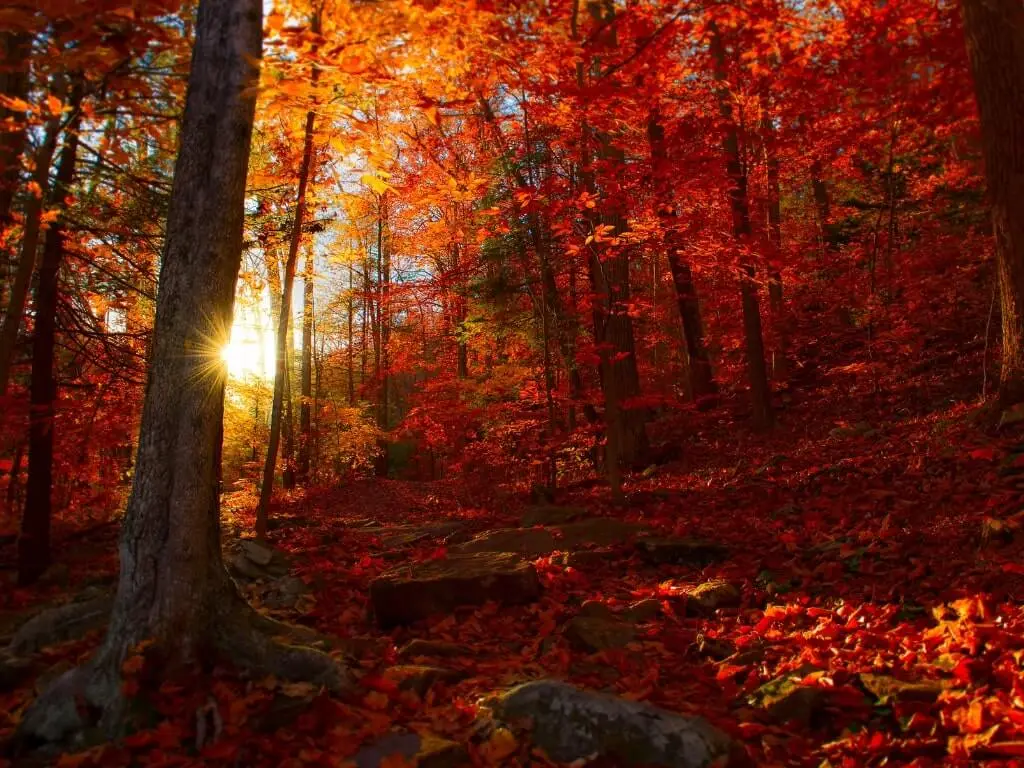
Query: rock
<point x="413" y="592"/>
<point x="788" y="699"/>
<point x="886" y="689"/>
<point x="242" y="566"/>
<point x="257" y="551"/>
<point x="530" y="542"/>
<point x="597" y="531"/>
<point x="712" y="595"/>
<point x="436" y="648"/>
<point x="593" y="633"/>
<point x="692" y="552"/>
<point x="860" y="429"/>
<point x="292" y="585"/>
<point x="421" y="750"/>
<point x="58" y="625"/>
<point x="406" y="535"/>
<point x="586" y="558"/>
<point x="419" y="678"/>
<point x="643" y="611"/>
<point x="571" y="724"/>
<point x="550" y="514"/>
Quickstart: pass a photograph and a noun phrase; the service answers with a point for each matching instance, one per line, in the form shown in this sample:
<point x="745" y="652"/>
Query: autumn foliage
<point x="746" y="273"/>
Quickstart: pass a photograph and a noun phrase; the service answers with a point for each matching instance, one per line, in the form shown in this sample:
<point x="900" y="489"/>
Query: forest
<point x="392" y="383"/>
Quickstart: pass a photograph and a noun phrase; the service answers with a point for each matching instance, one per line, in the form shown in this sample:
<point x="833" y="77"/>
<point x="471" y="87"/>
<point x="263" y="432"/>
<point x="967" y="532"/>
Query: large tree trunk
<point x="173" y="590"/>
<point x="701" y="380"/>
<point x="760" y="393"/>
<point x="995" y="45"/>
<point x="277" y="409"/>
<point x="34" y="541"/>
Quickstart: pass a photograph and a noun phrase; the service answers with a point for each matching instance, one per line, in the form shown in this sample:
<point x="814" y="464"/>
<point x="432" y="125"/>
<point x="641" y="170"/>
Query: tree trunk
<point x="995" y="46"/>
<point x="29" y="245"/>
<point x="270" y="465"/>
<point x="780" y="355"/>
<point x="34" y="542"/>
<point x="760" y="393"/>
<point x="702" y="382"/>
<point x="305" y="412"/>
<point x="173" y="590"/>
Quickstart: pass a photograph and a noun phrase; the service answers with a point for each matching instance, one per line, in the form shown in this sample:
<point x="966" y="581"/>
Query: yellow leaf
<point x="275" y="20"/>
<point x="54" y="105"/>
<point x="377" y="184"/>
<point x="15" y="105"/>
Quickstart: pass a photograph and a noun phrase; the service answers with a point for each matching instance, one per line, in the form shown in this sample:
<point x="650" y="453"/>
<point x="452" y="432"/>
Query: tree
<point x="995" y="46"/>
<point x="174" y="592"/>
<point x="281" y="372"/>
<point x="34" y="541"/>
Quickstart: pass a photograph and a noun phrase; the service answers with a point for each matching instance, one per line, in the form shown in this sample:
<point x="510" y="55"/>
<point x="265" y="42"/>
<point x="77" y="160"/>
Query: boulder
<point x="257" y="551"/>
<point x="551" y="514"/>
<point x="530" y="542"/>
<point x="413" y="592"/>
<point x="593" y="633"/>
<point x="669" y="551"/>
<point x="571" y="724"/>
<point x="398" y="536"/>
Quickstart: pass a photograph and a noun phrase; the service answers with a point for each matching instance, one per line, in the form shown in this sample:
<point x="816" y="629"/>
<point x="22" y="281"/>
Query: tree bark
<point x="994" y="30"/>
<point x="34" y="541"/>
<point x="760" y="392"/>
<point x="173" y="590"/>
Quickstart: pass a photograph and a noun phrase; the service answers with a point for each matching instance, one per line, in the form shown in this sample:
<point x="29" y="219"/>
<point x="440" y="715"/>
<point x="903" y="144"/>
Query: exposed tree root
<point x="87" y="704"/>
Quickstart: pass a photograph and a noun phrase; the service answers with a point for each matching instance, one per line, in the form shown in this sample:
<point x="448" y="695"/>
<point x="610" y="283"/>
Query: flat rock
<point x="419" y="678"/>
<point x="551" y="514"/>
<point x="596" y="609"/>
<point x="571" y="724"/>
<point x="240" y="565"/>
<point x="692" y="552"/>
<point x="433" y="648"/>
<point x="586" y="558"/>
<point x="421" y="750"/>
<point x="712" y="595"/>
<point x="407" y="535"/>
<point x="530" y="542"/>
<point x="257" y="551"/>
<point x="790" y="698"/>
<point x="598" y="532"/>
<point x="594" y="633"/>
<point x="414" y="592"/>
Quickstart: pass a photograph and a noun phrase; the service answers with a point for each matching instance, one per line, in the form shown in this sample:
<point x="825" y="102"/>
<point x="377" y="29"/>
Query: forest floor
<point x="872" y="554"/>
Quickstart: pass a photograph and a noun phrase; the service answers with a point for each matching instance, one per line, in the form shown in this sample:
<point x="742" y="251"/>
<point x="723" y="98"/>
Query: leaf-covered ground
<point x="875" y="540"/>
